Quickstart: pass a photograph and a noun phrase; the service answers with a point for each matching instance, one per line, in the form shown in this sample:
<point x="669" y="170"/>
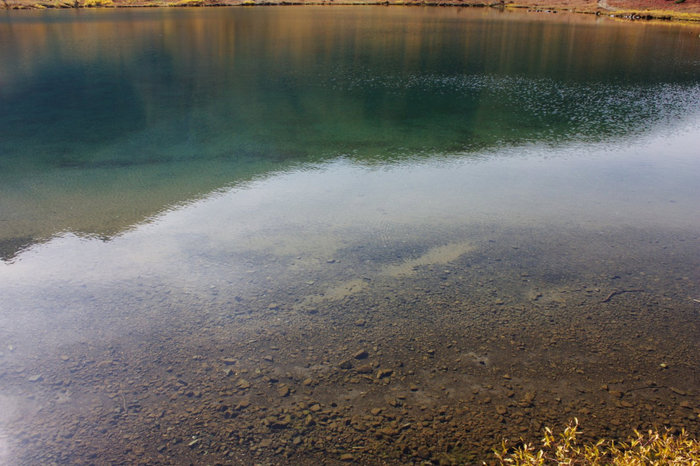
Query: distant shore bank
<point x="664" y="10"/>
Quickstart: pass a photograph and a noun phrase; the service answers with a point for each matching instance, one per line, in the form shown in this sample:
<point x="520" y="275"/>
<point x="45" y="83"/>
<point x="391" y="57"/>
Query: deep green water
<point x="104" y="104"/>
<point x="158" y="167"/>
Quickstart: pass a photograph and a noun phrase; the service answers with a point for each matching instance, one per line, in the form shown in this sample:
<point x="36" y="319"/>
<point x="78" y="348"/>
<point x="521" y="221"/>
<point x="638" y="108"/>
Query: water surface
<point x="208" y="216"/>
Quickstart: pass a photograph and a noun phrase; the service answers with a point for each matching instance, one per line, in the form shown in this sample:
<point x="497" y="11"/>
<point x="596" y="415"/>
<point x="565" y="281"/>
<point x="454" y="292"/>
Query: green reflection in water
<point x="111" y="117"/>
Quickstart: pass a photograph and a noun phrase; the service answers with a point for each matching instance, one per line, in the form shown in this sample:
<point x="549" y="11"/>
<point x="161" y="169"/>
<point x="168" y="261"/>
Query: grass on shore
<point x="668" y="15"/>
<point x="651" y="448"/>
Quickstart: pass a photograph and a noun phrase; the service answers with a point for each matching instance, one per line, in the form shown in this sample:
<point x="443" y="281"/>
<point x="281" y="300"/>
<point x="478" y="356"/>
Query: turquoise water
<point x="178" y="186"/>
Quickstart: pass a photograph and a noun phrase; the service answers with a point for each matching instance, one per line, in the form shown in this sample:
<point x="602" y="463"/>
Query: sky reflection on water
<point x="318" y="210"/>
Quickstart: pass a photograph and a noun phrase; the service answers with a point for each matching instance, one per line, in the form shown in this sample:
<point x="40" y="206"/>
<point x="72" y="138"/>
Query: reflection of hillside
<point x="105" y="202"/>
<point x="403" y="38"/>
<point x="110" y="117"/>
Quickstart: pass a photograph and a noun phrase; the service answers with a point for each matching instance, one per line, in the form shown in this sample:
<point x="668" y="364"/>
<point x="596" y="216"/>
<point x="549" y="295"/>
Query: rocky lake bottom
<point x="416" y="355"/>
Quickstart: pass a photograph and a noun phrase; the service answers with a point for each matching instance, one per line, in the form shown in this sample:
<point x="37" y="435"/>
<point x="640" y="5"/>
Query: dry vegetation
<point x="650" y="448"/>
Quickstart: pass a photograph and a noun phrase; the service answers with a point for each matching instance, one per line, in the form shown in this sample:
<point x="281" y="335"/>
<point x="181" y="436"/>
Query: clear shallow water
<point x="233" y="183"/>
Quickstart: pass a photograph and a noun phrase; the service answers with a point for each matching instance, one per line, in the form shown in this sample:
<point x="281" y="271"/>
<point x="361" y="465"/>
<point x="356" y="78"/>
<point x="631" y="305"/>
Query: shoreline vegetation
<point x="651" y="447"/>
<point x="664" y="10"/>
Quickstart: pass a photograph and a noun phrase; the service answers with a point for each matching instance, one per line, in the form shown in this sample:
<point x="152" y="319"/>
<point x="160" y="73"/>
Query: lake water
<point x="324" y="234"/>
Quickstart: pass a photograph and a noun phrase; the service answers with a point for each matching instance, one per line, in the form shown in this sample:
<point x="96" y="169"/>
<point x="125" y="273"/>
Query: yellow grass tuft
<point x="96" y="3"/>
<point x="650" y="448"/>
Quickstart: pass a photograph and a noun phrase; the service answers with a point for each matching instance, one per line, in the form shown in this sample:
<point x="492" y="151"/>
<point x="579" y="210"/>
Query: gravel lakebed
<point x="385" y="354"/>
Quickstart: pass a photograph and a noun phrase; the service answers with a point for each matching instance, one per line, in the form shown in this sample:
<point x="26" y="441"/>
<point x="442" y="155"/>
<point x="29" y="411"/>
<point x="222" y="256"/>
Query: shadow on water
<point x="10" y="247"/>
<point x="67" y="111"/>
